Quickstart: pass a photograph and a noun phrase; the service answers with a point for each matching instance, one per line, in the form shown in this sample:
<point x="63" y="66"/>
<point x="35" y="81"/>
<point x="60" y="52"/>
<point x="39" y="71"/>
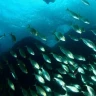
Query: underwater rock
<point x="29" y="73"/>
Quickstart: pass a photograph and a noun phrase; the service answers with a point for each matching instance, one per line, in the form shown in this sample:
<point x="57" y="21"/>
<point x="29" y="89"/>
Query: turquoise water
<point x="15" y="15"/>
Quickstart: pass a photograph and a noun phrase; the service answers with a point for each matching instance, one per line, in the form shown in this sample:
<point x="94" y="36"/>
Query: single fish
<point x="40" y="91"/>
<point x="12" y="71"/>
<point x="32" y="30"/>
<point x="66" y="52"/>
<point x="85" y="2"/>
<point x="80" y="58"/>
<point x="91" y="90"/>
<point x="78" y="29"/>
<point x="72" y="88"/>
<point x="74" y="38"/>
<point x="39" y="78"/>
<point x="24" y="92"/>
<point x="34" y="63"/>
<point x="65" y="67"/>
<point x="46" y="74"/>
<point x="57" y="57"/>
<point x="74" y="14"/>
<point x="22" y="53"/>
<point x="89" y="43"/>
<point x="22" y="66"/>
<point x="30" y="50"/>
<point x="48" y="89"/>
<point x="13" y="53"/>
<point x="42" y="37"/>
<point x="32" y="93"/>
<point x="59" y="81"/>
<point x="59" y="36"/>
<point x="86" y="21"/>
<point x="46" y="58"/>
<point x="81" y="70"/>
<point x="11" y="85"/>
<point x="93" y="31"/>
<point x="40" y="47"/>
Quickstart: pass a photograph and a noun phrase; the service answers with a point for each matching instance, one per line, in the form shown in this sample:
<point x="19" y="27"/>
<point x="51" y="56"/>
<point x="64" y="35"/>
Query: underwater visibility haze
<point x="47" y="48"/>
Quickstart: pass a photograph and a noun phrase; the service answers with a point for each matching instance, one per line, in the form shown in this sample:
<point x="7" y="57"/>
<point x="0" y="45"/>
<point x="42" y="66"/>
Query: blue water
<point x="15" y="15"/>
